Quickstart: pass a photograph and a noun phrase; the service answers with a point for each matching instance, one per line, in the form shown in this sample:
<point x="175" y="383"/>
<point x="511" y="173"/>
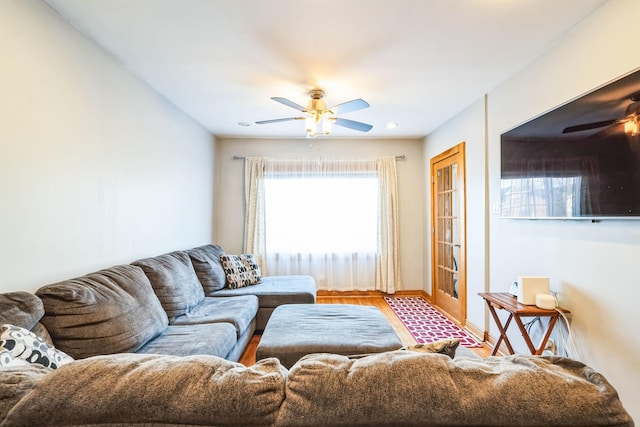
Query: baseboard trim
<point x="361" y="294"/>
<point x="475" y="331"/>
<point x="416" y="293"/>
<point x="487" y="340"/>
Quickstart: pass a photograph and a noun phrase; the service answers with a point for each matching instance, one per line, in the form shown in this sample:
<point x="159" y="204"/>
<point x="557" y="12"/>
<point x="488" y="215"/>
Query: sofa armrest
<point x="16" y="382"/>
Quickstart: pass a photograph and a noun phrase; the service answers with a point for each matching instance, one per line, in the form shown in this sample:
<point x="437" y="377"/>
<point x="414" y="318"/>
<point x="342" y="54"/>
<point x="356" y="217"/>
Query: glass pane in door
<point x="447" y="222"/>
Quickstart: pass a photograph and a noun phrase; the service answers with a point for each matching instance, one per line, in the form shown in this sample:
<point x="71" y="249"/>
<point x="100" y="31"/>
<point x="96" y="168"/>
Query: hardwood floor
<point x="365" y="298"/>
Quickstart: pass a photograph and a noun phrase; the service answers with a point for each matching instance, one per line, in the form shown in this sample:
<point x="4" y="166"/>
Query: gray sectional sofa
<point x="173" y="304"/>
<point x="153" y="348"/>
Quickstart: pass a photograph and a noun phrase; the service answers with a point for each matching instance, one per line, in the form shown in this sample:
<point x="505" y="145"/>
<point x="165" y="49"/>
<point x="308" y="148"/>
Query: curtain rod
<point x="402" y="157"/>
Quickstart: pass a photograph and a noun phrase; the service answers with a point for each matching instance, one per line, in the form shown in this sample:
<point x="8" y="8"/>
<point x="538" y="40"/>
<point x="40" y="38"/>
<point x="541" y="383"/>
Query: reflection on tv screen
<point x="581" y="160"/>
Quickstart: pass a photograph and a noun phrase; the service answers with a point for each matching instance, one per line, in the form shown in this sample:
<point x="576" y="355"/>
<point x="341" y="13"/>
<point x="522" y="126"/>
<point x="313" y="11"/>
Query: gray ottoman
<point x="295" y="330"/>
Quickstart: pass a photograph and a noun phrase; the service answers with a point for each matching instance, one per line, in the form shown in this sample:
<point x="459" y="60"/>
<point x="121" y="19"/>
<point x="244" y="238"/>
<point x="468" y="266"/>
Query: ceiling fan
<point x="630" y="122"/>
<point x="319" y="119"/>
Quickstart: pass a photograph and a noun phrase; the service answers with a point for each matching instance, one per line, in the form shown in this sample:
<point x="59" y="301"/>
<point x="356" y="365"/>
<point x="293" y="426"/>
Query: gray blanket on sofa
<point x="152" y="390"/>
<point x="404" y="388"/>
<point x="398" y="388"/>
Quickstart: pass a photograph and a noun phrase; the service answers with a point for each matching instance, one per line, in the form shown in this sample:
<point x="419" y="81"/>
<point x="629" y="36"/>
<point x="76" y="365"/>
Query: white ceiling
<point x="417" y="62"/>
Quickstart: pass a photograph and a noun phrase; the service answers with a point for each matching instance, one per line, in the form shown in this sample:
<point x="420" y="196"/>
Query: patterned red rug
<point x="425" y="323"/>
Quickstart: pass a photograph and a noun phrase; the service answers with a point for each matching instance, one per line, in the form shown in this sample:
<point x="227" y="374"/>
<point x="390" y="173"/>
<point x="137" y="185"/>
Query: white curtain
<point x="387" y="269"/>
<point x="254" y="220"/>
<point x="343" y="261"/>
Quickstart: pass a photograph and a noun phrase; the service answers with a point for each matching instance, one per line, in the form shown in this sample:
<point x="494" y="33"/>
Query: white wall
<point x="593" y="266"/>
<point x="95" y="167"/>
<point x="467" y="127"/>
<point x="229" y="200"/>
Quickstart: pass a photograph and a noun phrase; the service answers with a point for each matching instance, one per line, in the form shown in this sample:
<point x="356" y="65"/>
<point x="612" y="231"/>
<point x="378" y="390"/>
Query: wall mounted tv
<point x="578" y="161"/>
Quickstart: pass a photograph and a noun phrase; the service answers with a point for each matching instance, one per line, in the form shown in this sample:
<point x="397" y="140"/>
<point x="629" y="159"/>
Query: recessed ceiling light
<point x="244" y="124"/>
<point x="392" y="125"/>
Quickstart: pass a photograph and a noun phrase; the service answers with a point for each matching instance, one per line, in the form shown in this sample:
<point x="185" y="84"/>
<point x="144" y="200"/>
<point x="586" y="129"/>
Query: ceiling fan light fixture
<point x="318" y="122"/>
<point x="632" y="126"/>
<point x="311" y="124"/>
<point x="327" y="124"/>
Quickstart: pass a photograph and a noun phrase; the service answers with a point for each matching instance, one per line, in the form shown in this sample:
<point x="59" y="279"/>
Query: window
<point x="321" y="215"/>
<point x="333" y="219"/>
<point x="321" y="219"/>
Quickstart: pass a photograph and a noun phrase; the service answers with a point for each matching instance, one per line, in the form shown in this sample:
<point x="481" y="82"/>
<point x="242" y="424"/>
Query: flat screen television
<point x="578" y="161"/>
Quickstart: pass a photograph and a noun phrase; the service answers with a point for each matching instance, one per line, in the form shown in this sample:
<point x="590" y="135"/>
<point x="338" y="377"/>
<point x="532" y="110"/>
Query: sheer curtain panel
<point x="254" y="225"/>
<point x="333" y="219"/>
<point x="388" y="269"/>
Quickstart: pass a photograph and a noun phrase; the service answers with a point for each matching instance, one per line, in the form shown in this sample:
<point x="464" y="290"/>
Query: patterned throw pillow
<point x="255" y="276"/>
<point x="240" y="270"/>
<point x="6" y="359"/>
<point x="17" y="344"/>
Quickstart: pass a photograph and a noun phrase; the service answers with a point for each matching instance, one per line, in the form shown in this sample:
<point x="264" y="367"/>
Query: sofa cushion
<point x="206" y="263"/>
<point x="274" y="291"/>
<point x="174" y="281"/>
<point x="407" y="388"/>
<point x="24" y="309"/>
<point x="152" y="390"/>
<point x="215" y="339"/>
<point x="21" y="309"/>
<point x="109" y="311"/>
<point x="239" y="311"/>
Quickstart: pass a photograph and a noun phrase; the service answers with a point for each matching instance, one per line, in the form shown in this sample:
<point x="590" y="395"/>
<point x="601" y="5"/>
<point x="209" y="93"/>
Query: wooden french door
<point x="448" y="243"/>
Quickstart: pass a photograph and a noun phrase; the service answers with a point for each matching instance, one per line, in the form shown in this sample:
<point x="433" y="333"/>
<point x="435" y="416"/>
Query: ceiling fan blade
<point x="617" y="127"/>
<point x="347" y="107"/>
<point x="588" y="126"/>
<point x="351" y="124"/>
<point x="633" y="108"/>
<point x="262" y="122"/>
<point x="288" y="103"/>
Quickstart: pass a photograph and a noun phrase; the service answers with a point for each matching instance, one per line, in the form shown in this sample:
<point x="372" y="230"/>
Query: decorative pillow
<point x="254" y="269"/>
<point x="240" y="270"/>
<point x="23" y="344"/>
<point x="447" y="347"/>
<point x="6" y="359"/>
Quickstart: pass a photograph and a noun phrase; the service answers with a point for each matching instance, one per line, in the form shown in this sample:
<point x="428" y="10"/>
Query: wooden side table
<point x="506" y="301"/>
